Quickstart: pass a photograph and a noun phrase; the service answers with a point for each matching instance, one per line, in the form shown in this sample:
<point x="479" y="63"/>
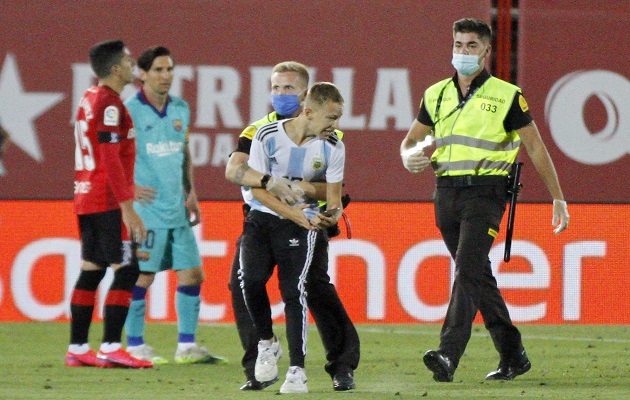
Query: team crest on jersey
<point x="318" y="163"/>
<point x="177" y="125"/>
<point x="110" y="116"/>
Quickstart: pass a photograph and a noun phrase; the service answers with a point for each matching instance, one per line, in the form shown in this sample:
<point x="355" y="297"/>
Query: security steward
<point x="479" y="123"/>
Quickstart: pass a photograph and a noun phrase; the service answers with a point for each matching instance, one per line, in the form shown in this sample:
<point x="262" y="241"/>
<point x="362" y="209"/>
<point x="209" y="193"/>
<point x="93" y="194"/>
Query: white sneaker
<point x="144" y="352"/>
<point x="266" y="363"/>
<point x="197" y="355"/>
<point x="295" y="382"/>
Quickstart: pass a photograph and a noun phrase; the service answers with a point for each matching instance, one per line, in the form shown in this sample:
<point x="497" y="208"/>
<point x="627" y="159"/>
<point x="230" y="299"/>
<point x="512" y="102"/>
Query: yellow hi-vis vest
<point x="252" y="128"/>
<point x="472" y="140"/>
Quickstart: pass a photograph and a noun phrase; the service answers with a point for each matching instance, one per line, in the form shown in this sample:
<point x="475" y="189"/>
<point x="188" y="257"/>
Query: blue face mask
<point x="285" y="104"/>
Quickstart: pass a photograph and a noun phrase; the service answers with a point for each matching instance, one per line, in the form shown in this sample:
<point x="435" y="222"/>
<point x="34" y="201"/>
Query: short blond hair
<point x="293" y="66"/>
<point x="323" y="92"/>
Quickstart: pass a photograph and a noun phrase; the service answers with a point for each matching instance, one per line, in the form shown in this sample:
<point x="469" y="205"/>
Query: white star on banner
<point x="19" y="109"/>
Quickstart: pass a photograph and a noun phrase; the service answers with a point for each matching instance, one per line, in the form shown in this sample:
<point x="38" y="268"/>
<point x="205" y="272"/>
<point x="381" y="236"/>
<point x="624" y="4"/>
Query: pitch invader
<point x="303" y="148"/>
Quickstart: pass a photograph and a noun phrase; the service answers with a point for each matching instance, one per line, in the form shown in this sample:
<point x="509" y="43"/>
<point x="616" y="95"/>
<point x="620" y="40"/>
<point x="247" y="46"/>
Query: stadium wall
<point x="382" y="55"/>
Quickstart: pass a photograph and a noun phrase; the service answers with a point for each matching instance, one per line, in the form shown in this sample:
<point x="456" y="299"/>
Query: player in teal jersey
<point x="168" y="205"/>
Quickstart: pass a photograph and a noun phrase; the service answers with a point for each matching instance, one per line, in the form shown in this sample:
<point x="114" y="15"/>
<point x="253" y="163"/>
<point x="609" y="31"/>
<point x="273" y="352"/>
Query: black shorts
<point x="101" y="239"/>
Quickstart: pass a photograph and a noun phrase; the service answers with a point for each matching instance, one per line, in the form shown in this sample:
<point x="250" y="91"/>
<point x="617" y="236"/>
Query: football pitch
<point x="568" y="362"/>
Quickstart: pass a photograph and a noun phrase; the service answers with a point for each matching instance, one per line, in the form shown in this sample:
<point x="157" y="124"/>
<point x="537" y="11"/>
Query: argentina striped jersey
<point x="318" y="160"/>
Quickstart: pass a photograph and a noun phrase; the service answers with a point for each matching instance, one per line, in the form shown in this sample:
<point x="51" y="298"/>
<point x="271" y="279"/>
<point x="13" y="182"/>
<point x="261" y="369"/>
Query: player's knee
<point x="190" y="277"/>
<point x="199" y="277"/>
<point x="89" y="280"/>
<point x="145" y="279"/>
<point x="93" y="266"/>
<point x="125" y="278"/>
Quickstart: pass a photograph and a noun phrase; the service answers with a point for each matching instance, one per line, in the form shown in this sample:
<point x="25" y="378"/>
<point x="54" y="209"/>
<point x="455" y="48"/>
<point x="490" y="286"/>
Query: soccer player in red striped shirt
<point x="103" y="202"/>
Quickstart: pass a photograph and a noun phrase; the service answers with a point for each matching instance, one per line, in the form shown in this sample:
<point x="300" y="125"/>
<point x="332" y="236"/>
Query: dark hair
<point x="146" y="58"/>
<point x="473" y="25"/>
<point x="104" y="55"/>
<point x="323" y="92"/>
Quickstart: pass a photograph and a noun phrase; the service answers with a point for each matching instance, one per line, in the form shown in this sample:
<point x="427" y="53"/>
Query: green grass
<point x="569" y="362"/>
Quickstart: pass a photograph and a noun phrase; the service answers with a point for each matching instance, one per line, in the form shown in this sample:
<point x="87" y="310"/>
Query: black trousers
<point x="468" y="218"/>
<point x="338" y="334"/>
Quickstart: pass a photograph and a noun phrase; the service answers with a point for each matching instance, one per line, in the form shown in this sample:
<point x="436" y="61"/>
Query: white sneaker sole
<point x="290" y="387"/>
<point x="266" y="374"/>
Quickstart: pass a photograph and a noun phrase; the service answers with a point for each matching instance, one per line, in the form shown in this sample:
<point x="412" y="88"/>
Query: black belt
<point x="471" y="180"/>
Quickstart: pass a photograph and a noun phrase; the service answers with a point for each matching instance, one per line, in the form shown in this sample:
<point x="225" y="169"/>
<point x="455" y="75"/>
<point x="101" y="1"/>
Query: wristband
<point x="264" y="180"/>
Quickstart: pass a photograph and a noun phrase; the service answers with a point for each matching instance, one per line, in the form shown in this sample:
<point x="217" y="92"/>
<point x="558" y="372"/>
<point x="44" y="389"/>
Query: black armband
<point x="264" y="180"/>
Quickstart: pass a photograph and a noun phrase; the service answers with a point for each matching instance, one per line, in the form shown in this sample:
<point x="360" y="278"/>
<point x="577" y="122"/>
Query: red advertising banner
<point x="579" y="94"/>
<point x="380" y="54"/>
<point x="395" y="269"/>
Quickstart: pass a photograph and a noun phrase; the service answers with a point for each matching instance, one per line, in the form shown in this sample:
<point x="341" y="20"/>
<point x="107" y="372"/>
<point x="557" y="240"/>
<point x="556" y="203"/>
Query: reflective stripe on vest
<point x="473" y="140"/>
